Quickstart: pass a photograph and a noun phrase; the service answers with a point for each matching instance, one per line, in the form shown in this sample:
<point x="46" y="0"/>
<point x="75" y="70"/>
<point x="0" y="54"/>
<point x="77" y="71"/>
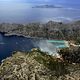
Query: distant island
<point x="46" y="6"/>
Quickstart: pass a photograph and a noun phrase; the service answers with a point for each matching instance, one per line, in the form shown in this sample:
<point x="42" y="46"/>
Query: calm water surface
<point x="16" y="43"/>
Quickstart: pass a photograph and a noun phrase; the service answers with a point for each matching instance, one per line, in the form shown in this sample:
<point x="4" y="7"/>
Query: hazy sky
<point x="22" y="11"/>
<point x="44" y="1"/>
<point x="64" y="3"/>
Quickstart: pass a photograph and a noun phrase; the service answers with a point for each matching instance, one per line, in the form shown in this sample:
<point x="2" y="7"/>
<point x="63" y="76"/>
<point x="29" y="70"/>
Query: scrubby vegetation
<point x="37" y="65"/>
<point x="71" y="55"/>
<point x="41" y="63"/>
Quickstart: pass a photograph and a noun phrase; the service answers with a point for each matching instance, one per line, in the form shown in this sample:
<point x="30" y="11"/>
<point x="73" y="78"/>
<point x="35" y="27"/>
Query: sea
<point x="9" y="44"/>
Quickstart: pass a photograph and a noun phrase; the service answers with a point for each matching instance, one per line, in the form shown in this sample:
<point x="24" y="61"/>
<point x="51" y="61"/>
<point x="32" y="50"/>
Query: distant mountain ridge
<point x="46" y="6"/>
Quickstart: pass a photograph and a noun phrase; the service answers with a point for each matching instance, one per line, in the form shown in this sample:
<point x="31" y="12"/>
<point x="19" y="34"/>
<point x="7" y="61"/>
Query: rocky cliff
<point x="50" y="30"/>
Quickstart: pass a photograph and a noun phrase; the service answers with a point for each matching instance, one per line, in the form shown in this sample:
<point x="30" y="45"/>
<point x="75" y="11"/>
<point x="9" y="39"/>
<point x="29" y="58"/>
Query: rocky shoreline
<point x="50" y="30"/>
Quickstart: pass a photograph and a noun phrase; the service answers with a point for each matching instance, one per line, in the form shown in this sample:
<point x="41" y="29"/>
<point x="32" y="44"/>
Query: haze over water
<point x="22" y="12"/>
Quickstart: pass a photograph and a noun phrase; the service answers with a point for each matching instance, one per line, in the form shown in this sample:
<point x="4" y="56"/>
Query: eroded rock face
<point x="37" y="65"/>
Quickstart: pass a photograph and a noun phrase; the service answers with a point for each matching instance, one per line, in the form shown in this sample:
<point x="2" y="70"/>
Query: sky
<point x="44" y="1"/>
<point x="63" y="3"/>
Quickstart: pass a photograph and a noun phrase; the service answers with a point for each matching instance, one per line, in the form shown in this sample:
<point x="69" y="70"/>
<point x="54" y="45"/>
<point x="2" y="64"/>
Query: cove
<point x="9" y="44"/>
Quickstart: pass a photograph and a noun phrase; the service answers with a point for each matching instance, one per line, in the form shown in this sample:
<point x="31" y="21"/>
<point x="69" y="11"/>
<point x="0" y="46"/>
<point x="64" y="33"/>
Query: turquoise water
<point x="56" y="41"/>
<point x="59" y="43"/>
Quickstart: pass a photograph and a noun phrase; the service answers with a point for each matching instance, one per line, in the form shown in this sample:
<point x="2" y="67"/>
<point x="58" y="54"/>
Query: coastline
<point x="51" y="30"/>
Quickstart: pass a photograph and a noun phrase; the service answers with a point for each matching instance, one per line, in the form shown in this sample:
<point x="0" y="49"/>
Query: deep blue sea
<point x="9" y="44"/>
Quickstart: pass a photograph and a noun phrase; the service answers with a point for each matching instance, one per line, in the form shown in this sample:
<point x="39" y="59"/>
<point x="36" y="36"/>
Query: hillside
<point x="37" y="65"/>
<point x="50" y="30"/>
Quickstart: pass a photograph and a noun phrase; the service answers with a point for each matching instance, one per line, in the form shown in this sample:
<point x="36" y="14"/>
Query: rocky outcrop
<point x="37" y="65"/>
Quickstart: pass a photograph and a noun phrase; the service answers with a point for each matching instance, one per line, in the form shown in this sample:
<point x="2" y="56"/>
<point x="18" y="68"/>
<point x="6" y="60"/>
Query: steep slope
<point x="37" y="65"/>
